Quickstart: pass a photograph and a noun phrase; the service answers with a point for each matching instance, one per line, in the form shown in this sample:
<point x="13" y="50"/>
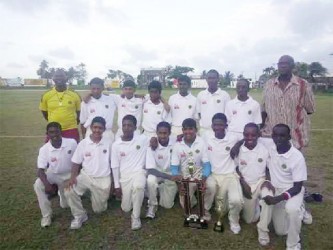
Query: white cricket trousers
<point x="43" y="201"/>
<point x="251" y="206"/>
<point x="99" y="188"/>
<point x="287" y="217"/>
<point x="225" y="187"/>
<point x="106" y="134"/>
<point x="167" y="190"/>
<point x="132" y="188"/>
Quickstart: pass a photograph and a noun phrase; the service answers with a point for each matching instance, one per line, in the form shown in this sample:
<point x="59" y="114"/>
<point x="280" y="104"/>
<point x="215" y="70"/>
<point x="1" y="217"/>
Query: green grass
<point x="20" y="215"/>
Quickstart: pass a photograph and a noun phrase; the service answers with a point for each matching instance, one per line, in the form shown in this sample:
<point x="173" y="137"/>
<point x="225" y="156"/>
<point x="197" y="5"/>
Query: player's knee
<point x="151" y="181"/>
<point x="291" y="209"/>
<point x="38" y="185"/>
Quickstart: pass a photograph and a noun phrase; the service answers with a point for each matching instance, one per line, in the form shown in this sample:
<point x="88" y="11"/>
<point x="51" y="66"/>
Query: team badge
<point x="53" y="159"/>
<point x="190" y="154"/>
<point x="227" y="148"/>
<point x="69" y="152"/>
<point x="234" y="112"/>
<point x="88" y="154"/>
<point x="204" y="102"/>
<point x="249" y="112"/>
<point x="182" y="155"/>
<point x="104" y="151"/>
<point x="242" y="162"/>
<point x="138" y="147"/>
<point x="189" y="106"/>
<point x="136" y="106"/>
<point x="158" y="112"/>
<point x="70" y="102"/>
<point x="106" y="106"/>
<point x="218" y="101"/>
<point x="197" y="151"/>
<point x="284" y="166"/>
<point x="260" y="160"/>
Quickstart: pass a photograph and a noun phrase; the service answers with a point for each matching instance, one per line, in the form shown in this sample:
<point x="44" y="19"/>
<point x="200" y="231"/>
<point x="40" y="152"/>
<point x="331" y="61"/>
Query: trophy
<point x="218" y="227"/>
<point x="192" y="219"/>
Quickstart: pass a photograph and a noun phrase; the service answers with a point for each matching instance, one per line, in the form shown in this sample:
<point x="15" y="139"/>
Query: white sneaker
<point x="235" y="228"/>
<point x="207" y="216"/>
<point x="263" y="237"/>
<point x="136" y="223"/>
<point x="296" y="247"/>
<point x="78" y="221"/>
<point x="46" y="221"/>
<point x="151" y="212"/>
<point x="307" y="217"/>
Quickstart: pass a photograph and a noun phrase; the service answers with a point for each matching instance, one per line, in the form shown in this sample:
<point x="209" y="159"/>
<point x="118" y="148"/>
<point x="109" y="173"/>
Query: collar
<point x="63" y="145"/>
<point x="195" y="141"/>
<point x="245" y="149"/>
<point x="217" y="92"/>
<point x="225" y="139"/>
<point x="239" y="101"/>
<point x="188" y="96"/>
<point x="101" y="142"/>
<point x="293" y="80"/>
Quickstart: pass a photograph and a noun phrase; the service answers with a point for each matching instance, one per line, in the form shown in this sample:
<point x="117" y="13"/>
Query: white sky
<point x="240" y="36"/>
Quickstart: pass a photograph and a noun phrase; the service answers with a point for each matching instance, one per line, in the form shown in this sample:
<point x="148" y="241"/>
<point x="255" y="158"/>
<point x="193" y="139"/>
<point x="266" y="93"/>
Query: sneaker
<point x="307" y="217"/>
<point x="207" y="216"/>
<point x="263" y="237"/>
<point x="136" y="223"/>
<point x="151" y="212"/>
<point x="78" y="221"/>
<point x="296" y="247"/>
<point x="46" y="221"/>
<point x="235" y="228"/>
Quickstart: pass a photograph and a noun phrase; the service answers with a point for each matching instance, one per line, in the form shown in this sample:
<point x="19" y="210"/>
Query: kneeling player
<point x="54" y="157"/>
<point x="159" y="173"/>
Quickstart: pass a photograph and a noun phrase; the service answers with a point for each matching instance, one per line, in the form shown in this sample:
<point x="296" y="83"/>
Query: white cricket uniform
<point x="180" y="156"/>
<point x="208" y="104"/>
<point x="285" y="169"/>
<point x="94" y="176"/>
<point x="58" y="165"/>
<point x="105" y="107"/>
<point x="252" y="165"/>
<point x="153" y="114"/>
<point x="159" y="159"/>
<point x="128" y="161"/>
<point x="223" y="183"/>
<point x="239" y="113"/>
<point x="181" y="108"/>
<point x="126" y="106"/>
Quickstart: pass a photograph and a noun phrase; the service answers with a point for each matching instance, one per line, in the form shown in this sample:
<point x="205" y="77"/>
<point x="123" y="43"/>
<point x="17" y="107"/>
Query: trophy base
<point x="195" y="223"/>
<point x="218" y="227"/>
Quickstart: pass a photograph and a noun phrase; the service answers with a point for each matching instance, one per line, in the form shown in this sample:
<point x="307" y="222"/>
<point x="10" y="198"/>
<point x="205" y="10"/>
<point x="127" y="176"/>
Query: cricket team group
<point x="248" y="155"/>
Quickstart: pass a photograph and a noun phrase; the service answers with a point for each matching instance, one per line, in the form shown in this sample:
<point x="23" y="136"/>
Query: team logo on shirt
<point x="160" y="157"/>
<point x="249" y="112"/>
<point x="176" y="106"/>
<point x="210" y="148"/>
<point x="197" y="151"/>
<point x="203" y="102"/>
<point x="69" y="152"/>
<point x="92" y="111"/>
<point x="242" y="162"/>
<point x="122" y="154"/>
<point x="136" y="106"/>
<point x="182" y="155"/>
<point x="106" y="106"/>
<point x="227" y="148"/>
<point x="88" y="154"/>
<point x="69" y="102"/>
<point x="218" y="101"/>
<point x="284" y="166"/>
<point x="158" y="112"/>
<point x="189" y="106"/>
<point x="234" y="112"/>
<point x="53" y="159"/>
<point x="190" y="154"/>
<point x="138" y="147"/>
<point x="104" y="151"/>
<point x="260" y="160"/>
<point x="145" y="111"/>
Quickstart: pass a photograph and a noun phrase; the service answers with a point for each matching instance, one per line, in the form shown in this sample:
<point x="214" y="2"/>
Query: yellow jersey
<point x="61" y="107"/>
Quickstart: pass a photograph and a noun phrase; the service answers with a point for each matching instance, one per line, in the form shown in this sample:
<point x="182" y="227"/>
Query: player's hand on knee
<point x="269" y="186"/>
<point x="72" y="182"/>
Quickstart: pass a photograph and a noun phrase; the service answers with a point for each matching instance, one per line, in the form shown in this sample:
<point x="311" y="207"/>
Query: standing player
<point x="251" y="168"/>
<point x="210" y="101"/>
<point x="98" y="105"/>
<point x="182" y="105"/>
<point x="242" y="110"/>
<point x="190" y="148"/>
<point x="54" y="168"/>
<point x="288" y="171"/>
<point x="155" y="110"/>
<point x="90" y="171"/>
<point x="159" y="173"/>
<point x="128" y="104"/>
<point x="128" y="161"/>
<point x="61" y="104"/>
<point x="223" y="183"/>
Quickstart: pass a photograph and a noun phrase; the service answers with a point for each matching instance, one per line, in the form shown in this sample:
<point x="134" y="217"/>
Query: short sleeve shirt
<point x="152" y="115"/>
<point x="181" y="108"/>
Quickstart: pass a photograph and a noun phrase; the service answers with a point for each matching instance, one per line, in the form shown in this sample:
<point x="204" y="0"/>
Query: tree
<point x="71" y="74"/>
<point x="203" y="74"/>
<point x="316" y="69"/>
<point x="43" y="70"/>
<point x="226" y="79"/>
<point x="301" y="69"/>
<point x="81" y="73"/>
<point x="177" y="71"/>
<point x="120" y="75"/>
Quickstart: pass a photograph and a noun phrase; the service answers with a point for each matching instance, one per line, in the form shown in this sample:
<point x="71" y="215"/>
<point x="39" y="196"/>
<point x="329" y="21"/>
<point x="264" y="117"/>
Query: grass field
<point x="21" y="135"/>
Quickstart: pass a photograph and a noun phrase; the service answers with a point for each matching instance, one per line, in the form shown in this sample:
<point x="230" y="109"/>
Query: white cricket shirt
<point x="153" y="114"/>
<point x="181" y="108"/>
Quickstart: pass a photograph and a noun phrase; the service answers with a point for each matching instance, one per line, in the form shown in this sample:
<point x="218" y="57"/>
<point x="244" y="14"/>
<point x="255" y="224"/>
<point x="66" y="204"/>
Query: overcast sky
<point x="240" y="36"/>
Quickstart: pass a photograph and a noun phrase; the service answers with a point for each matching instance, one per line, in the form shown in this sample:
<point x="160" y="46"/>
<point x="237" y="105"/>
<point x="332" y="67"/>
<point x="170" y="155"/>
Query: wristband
<point x="286" y="196"/>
